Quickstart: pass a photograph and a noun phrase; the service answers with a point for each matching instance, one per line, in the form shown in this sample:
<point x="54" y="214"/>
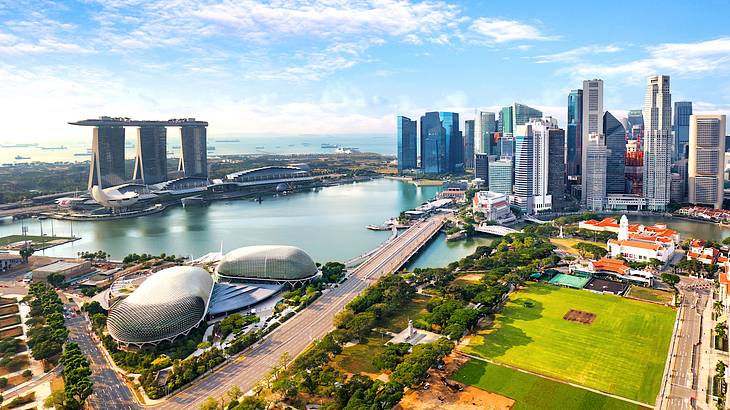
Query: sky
<point x="290" y="67"/>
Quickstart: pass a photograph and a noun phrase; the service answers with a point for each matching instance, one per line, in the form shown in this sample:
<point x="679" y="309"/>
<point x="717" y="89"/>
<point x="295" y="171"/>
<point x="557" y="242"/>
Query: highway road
<point x="110" y="391"/>
<point x="685" y="367"/>
<point x="312" y="323"/>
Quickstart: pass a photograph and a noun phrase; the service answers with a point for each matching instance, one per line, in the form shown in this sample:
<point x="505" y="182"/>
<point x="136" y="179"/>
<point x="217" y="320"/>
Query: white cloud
<point x="682" y="59"/>
<point x="501" y="31"/>
<point x="576" y="53"/>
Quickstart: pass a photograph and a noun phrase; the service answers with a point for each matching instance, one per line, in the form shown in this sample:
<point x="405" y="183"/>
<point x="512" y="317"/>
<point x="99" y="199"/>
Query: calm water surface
<point x="329" y="223"/>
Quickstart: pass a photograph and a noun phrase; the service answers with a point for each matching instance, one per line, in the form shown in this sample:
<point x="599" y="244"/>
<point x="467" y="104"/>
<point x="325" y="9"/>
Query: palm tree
<point x="718" y="306"/>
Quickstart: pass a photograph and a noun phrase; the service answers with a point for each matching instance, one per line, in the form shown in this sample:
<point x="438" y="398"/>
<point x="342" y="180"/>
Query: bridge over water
<point x="497" y="230"/>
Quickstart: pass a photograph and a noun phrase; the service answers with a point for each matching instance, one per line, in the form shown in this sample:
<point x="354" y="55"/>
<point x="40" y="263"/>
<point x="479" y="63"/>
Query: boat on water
<point x="260" y="147"/>
<point x="19" y="145"/>
<point x="60" y="147"/>
<point x="329" y="145"/>
<point x="20" y="157"/>
<point x="82" y="154"/>
<point x="193" y="201"/>
<point x="346" y="150"/>
<point x="228" y="140"/>
<point x="373" y="227"/>
<point x="211" y="148"/>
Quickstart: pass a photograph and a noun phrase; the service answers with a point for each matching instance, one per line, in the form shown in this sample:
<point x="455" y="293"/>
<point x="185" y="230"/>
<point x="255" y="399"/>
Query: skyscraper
<point x="556" y="167"/>
<point x="193" y="151"/>
<point x="522" y="114"/>
<point x="485" y="126"/>
<point x="592" y="122"/>
<point x="107" y="157"/>
<point x="407" y="137"/>
<point x="524" y="168"/>
<point x="682" y="111"/>
<point x="505" y="117"/>
<point x="706" y="160"/>
<point x="433" y="144"/>
<point x="541" y="129"/>
<point x="594" y="173"/>
<point x="657" y="142"/>
<point x="574" y="138"/>
<point x="616" y="162"/>
<point x="636" y="125"/>
<point x="481" y="167"/>
<point x="469" y="144"/>
<point x="454" y="141"/>
<point x="500" y="176"/>
<point x="150" y="163"/>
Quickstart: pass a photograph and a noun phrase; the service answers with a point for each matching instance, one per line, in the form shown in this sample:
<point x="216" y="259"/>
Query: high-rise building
<point x="616" y="144"/>
<point x="556" y="167"/>
<point x="522" y="114"/>
<point x="634" y="169"/>
<point x="506" y="146"/>
<point x="636" y="125"/>
<point x="193" y="151"/>
<point x="524" y="161"/>
<point x="485" y="126"/>
<point x="407" y="141"/>
<point x="592" y="122"/>
<point x="541" y="133"/>
<point x="505" y="118"/>
<point x="481" y="167"/>
<point x="107" y="157"/>
<point x="657" y="142"/>
<point x="501" y="176"/>
<point x="442" y="146"/>
<point x="150" y="162"/>
<point x="433" y="144"/>
<point x="469" y="144"/>
<point x="706" y="160"/>
<point x="594" y="172"/>
<point x="682" y="111"/>
<point x="574" y="137"/>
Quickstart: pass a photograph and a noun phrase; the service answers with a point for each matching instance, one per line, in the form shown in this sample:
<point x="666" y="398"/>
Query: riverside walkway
<point x="293" y="336"/>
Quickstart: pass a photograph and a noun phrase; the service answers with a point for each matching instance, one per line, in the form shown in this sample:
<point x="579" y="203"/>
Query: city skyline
<point x="247" y="68"/>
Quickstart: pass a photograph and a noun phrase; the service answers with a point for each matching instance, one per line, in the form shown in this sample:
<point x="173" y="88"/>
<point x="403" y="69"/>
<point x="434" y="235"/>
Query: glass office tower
<point x="406" y="140"/>
<point x="682" y="112"/>
<point x="574" y="134"/>
<point x="616" y="161"/>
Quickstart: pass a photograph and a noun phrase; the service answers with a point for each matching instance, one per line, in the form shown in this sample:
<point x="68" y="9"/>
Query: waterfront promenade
<point x="294" y="335"/>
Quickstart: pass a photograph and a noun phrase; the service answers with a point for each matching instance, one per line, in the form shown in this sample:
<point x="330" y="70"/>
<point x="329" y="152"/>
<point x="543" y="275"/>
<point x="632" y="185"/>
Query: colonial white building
<point x="645" y="245"/>
<point x="494" y="206"/>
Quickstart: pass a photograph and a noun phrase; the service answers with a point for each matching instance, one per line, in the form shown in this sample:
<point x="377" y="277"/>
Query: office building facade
<point x="592" y="122"/>
<point x="556" y="168"/>
<point x="524" y="169"/>
<point x="468" y="144"/>
<point x="407" y="143"/>
<point x="706" y="163"/>
<point x="481" y="167"/>
<point x="442" y="146"/>
<point x="150" y="163"/>
<point x="485" y="125"/>
<point x="501" y="176"/>
<point x="541" y="132"/>
<point x="574" y="136"/>
<point x="657" y="142"/>
<point x="506" y="119"/>
<point x="594" y="172"/>
<point x="636" y="125"/>
<point x="522" y="114"/>
<point x="682" y="112"/>
<point x="616" y="144"/>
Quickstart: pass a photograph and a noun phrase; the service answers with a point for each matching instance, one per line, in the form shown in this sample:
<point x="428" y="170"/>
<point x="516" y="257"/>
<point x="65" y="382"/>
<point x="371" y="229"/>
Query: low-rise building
<point x="494" y="206"/>
<point x="614" y="269"/>
<point x="698" y="251"/>
<point x="638" y="242"/>
<point x="9" y="261"/>
<point x="69" y="268"/>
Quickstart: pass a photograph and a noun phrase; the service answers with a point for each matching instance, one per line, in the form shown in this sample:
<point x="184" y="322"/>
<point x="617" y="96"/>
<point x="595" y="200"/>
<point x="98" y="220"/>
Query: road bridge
<point x="497" y="230"/>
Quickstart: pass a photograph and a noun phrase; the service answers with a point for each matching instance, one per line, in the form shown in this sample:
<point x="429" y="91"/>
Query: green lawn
<point x="413" y="311"/>
<point x="622" y="352"/>
<point x="652" y="295"/>
<point x="7" y="240"/>
<point x="566" y="244"/>
<point x="533" y="392"/>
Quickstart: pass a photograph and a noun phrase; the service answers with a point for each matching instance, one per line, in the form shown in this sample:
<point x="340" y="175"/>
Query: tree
<point x="721" y="329"/>
<point x="55" y="400"/>
<point x="670" y="279"/>
<point x="93" y="308"/>
<point x="209" y="404"/>
<point x="233" y="392"/>
<point x="56" y="279"/>
<point x="26" y="253"/>
<point x="718" y="306"/>
<point x="720" y="368"/>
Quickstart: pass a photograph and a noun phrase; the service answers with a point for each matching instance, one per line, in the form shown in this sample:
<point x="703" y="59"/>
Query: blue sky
<point x="342" y="66"/>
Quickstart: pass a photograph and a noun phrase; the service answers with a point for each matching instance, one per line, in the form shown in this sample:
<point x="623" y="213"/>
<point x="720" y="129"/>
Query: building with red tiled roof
<point x="614" y="269"/>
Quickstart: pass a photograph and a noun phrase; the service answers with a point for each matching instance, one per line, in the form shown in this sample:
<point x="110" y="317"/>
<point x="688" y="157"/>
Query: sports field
<point x="622" y="351"/>
<point x="533" y="392"/>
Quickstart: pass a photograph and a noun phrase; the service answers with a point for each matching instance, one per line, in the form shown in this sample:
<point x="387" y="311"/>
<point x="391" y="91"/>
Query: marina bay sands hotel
<point x="150" y="164"/>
